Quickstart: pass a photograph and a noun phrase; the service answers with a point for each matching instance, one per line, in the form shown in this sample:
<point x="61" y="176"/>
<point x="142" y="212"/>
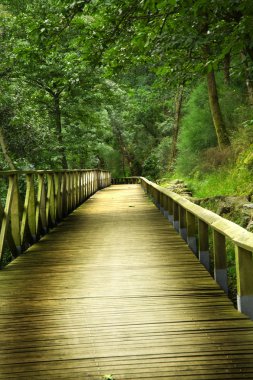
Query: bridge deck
<point x="114" y="290"/>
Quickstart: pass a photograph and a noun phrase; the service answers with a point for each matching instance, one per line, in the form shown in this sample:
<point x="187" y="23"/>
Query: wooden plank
<point x="15" y="214"/>
<point x="237" y="234"/>
<point x="6" y="215"/>
<point x="114" y="290"/>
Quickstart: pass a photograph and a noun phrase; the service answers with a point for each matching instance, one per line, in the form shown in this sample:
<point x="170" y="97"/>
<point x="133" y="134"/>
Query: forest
<point x="159" y="88"/>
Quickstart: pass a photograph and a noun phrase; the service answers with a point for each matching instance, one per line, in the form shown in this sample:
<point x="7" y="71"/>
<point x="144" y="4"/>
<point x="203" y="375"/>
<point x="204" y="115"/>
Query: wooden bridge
<point x="113" y="289"/>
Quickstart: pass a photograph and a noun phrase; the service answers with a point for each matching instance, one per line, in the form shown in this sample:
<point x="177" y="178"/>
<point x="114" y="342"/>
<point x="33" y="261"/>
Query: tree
<point x="45" y="53"/>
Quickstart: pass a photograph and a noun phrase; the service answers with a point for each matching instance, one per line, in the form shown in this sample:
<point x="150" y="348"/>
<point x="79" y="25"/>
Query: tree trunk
<point x="178" y="113"/>
<point x="125" y="158"/>
<point x="58" y="125"/>
<point x="248" y="76"/>
<point x="227" y="60"/>
<point x="219" y="125"/>
<point x="5" y="151"/>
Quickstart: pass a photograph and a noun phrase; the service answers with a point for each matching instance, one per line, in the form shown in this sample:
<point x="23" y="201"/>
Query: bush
<point x="197" y="131"/>
<point x="212" y="158"/>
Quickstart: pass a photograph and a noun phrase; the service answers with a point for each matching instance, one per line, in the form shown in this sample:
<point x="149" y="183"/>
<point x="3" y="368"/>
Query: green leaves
<point x="108" y="377"/>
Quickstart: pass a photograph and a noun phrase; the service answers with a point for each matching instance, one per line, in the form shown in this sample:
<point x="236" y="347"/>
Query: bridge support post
<point x="176" y="216"/>
<point x="191" y="231"/>
<point x="244" y="272"/>
<point x="170" y="210"/>
<point x="157" y="198"/>
<point x="204" y="256"/>
<point x="162" y="203"/>
<point x="182" y="223"/>
<point x="165" y="206"/>
<point x="220" y="260"/>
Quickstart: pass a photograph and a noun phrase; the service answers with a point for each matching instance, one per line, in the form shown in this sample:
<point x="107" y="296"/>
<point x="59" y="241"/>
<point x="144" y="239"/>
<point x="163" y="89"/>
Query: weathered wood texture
<point x="125" y="180"/>
<point x="114" y="290"/>
<point x="185" y="216"/>
<point x="28" y="214"/>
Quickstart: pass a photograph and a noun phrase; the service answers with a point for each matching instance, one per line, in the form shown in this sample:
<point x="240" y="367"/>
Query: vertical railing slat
<point x="23" y="221"/>
<point x="191" y="231"/>
<point x="203" y="248"/>
<point x="28" y="222"/>
<point x="182" y="223"/>
<point x="6" y="215"/>
<point x="220" y="260"/>
<point x="244" y="275"/>
<point x="16" y="214"/>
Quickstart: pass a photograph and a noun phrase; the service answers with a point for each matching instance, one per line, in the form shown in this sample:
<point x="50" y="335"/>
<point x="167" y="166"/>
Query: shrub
<point x="197" y="131"/>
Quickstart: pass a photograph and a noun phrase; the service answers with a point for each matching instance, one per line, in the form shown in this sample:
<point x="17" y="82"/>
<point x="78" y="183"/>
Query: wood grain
<point x="114" y="290"/>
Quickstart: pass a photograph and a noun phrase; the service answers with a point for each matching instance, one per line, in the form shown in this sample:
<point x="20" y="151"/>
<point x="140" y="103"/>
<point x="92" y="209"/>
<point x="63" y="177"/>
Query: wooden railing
<point x="193" y="223"/>
<point x="37" y="200"/>
<point x="125" y="180"/>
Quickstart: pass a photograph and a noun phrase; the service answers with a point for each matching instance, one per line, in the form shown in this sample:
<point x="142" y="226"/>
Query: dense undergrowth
<point x="207" y="169"/>
<point x="217" y="176"/>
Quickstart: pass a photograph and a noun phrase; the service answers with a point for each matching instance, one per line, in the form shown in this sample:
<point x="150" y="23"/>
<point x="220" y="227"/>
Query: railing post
<point x="159" y="200"/>
<point x="64" y="193"/>
<point x="57" y="196"/>
<point x="244" y="275"/>
<point x="92" y="181"/>
<point x="29" y="211"/>
<point x="23" y="221"/>
<point x="5" y="227"/>
<point x="165" y="205"/>
<point x="204" y="256"/>
<point x="70" y="191"/>
<point x="73" y="175"/>
<point x="50" y="205"/>
<point x="82" y="187"/>
<point x="170" y="210"/>
<point x="41" y="206"/>
<point x="78" y="191"/>
<point x="220" y="260"/>
<point x="86" y="184"/>
<point x="162" y="202"/>
<point x="32" y="209"/>
<point x="16" y="215"/>
<point x="96" y="180"/>
<point x="182" y="223"/>
<point x="191" y="231"/>
<point x="176" y="216"/>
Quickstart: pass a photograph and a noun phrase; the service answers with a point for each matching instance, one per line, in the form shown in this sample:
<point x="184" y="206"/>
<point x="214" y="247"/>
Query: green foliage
<point x="223" y="181"/>
<point x="114" y="67"/>
<point x="197" y="131"/>
<point x="108" y="377"/>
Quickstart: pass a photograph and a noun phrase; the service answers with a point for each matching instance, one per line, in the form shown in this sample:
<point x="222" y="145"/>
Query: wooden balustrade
<point x="37" y="200"/>
<point x="193" y="222"/>
<point x="125" y="180"/>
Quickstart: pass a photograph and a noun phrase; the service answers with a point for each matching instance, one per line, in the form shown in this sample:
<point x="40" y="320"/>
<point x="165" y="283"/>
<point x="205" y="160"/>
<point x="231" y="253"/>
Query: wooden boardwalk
<point x="114" y="290"/>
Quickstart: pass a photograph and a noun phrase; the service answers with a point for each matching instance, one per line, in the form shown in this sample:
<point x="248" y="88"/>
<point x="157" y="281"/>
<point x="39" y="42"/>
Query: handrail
<point x="37" y="200"/>
<point x="193" y="222"/>
<point x="125" y="180"/>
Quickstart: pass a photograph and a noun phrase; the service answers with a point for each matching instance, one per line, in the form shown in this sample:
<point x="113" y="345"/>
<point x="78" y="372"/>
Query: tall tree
<point x="45" y="52"/>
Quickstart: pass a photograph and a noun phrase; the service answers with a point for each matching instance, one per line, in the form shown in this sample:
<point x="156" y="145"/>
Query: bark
<point x="227" y="61"/>
<point x="218" y="122"/>
<point x="219" y="125"/>
<point x="5" y="151"/>
<point x="58" y="125"/>
<point x="178" y="114"/>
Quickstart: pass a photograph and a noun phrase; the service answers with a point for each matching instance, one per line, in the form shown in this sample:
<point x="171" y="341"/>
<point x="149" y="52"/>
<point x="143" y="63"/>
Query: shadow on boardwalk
<point x="113" y="289"/>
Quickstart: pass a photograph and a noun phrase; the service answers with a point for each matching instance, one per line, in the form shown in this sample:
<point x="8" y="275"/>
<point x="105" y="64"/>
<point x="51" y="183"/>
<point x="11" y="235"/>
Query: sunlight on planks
<point x="113" y="289"/>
